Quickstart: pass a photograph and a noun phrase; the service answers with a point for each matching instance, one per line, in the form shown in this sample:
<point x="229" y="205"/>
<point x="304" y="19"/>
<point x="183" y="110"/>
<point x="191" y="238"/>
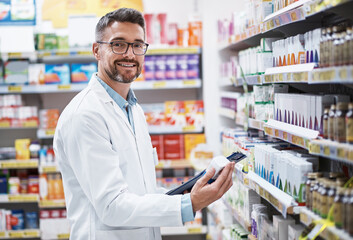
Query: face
<point x="124" y="68"/>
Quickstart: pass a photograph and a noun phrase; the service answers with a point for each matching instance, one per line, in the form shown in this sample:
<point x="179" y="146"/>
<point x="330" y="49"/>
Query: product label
<point x="340" y="134"/>
<point x="325" y="128"/>
<point x="349" y="130"/>
<point x="12" y="89"/>
<point x="324" y="206"/>
<point x="337" y="214"/>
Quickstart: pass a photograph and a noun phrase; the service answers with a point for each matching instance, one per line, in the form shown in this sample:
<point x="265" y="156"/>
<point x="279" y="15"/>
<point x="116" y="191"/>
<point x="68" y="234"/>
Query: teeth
<point x="126" y="65"/>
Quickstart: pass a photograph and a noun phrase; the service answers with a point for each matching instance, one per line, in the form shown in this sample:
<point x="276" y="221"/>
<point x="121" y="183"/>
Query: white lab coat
<point x="109" y="172"/>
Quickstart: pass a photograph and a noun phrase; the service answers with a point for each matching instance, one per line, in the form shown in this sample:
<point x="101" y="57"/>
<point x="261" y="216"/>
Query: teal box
<point x="82" y="72"/>
<point x="57" y="74"/>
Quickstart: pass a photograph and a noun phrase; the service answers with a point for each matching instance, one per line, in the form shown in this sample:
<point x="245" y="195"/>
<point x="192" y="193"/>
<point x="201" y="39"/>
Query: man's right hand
<point x="203" y="194"/>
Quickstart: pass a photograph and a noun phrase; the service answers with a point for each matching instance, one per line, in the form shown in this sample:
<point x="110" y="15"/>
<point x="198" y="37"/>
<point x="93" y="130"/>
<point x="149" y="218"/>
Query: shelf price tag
<point x="189" y="82"/>
<point x="49" y="132"/>
<point x="84" y="53"/>
<point x="31" y="233"/>
<point x="343" y="74"/>
<point x="64" y="87"/>
<point x="49" y="169"/>
<point x="13" y="234"/>
<point x="23" y="198"/>
<point x="64" y="236"/>
<point x="161" y="84"/>
<point x="350" y="155"/>
<point x="14" y="55"/>
<point x="12" y="89"/>
<point x="5" y="124"/>
<point x="63" y="53"/>
<point x="304" y="218"/>
<point x="342" y="153"/>
<point x="2" y="234"/>
<point x="267" y="78"/>
<point x="268" y="131"/>
<point x="189" y="128"/>
<point x="30" y="123"/>
<point x="327" y="151"/>
<point x="194" y="230"/>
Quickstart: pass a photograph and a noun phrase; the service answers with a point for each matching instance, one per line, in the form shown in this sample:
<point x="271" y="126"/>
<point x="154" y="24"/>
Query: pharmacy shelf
<point x="174" y="129"/>
<point x="19" y="164"/>
<point x="185" y="230"/>
<point x="237" y="216"/>
<point x="155" y="50"/>
<point x="307" y="217"/>
<point x="280" y="200"/>
<point x="49" y="168"/>
<point x="166" y="164"/>
<point x="46" y="88"/>
<point x="333" y="150"/>
<point x="343" y="74"/>
<point x="29" y="124"/>
<point x="45" y="133"/>
<point x="250" y="80"/>
<point x="227" y="112"/>
<point x="4" y="124"/>
<point x="226" y="81"/>
<point x="256" y="124"/>
<point x="299" y="73"/>
<point x="298" y="17"/>
<point x="290" y="133"/>
<point x="58" y="203"/>
<point x="19" y="198"/>
<point x="169" y="84"/>
<point x="27" y="233"/>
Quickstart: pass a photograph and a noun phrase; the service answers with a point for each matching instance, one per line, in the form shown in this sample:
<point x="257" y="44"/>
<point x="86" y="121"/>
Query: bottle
<point x="331" y="118"/>
<point x="341" y="60"/>
<point x="338" y="208"/>
<point x="324" y="207"/>
<point x="350" y="213"/>
<point x="325" y="123"/>
<point x="308" y="194"/>
<point x="346" y="50"/>
<point x="345" y="209"/>
<point x="349" y="124"/>
<point x="315" y="196"/>
<point x="331" y="196"/>
<point x="340" y="122"/>
<point x="323" y="40"/>
<point x="335" y="51"/>
<point x="328" y="46"/>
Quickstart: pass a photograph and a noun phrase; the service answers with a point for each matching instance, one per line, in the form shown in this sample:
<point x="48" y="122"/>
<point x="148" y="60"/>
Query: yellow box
<point x="191" y="141"/>
<point x="22" y="149"/>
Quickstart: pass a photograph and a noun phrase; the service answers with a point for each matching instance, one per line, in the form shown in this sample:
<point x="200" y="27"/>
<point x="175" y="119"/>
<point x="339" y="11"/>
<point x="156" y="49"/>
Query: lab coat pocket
<point x="131" y="234"/>
<point x="155" y="156"/>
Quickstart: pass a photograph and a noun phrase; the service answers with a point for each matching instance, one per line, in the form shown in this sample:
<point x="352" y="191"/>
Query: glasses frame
<point x="128" y="45"/>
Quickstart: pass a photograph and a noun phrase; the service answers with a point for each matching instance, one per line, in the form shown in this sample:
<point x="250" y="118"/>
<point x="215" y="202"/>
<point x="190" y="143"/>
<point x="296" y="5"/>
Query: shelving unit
<point x="237" y="217"/>
<point x="19" y="164"/>
<point x="27" y="233"/>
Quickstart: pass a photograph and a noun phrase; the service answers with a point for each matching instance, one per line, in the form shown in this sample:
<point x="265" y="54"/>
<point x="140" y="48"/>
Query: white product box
<point x="36" y="73"/>
<point x="294" y="231"/>
<point x="280" y="225"/>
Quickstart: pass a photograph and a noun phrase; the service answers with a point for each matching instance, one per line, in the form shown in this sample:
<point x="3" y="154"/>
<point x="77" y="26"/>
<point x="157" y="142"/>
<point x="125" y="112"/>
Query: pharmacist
<point x="104" y="149"/>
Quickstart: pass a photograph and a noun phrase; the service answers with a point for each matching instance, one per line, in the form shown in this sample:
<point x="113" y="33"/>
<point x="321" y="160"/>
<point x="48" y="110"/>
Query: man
<point x="104" y="149"/>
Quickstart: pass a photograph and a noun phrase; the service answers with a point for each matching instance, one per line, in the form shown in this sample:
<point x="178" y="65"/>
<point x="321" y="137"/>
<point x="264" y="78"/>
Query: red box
<point x="157" y="142"/>
<point x="174" y="147"/>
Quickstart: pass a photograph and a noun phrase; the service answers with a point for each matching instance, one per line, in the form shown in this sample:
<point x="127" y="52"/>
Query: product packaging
<point x="157" y="142"/>
<point x="17" y="219"/>
<point x="191" y="141"/>
<point x="57" y="74"/>
<point x="171" y="67"/>
<point x="16" y="72"/>
<point x="280" y="225"/>
<point x="175" y="113"/>
<point x="294" y="231"/>
<point x="182" y="67"/>
<point x="22" y="149"/>
<point x="82" y="72"/>
<point x="194" y="113"/>
<point x="160" y="67"/>
<point x="173" y="147"/>
<point x="193" y="66"/>
<point x="36" y="73"/>
<point x="149" y="67"/>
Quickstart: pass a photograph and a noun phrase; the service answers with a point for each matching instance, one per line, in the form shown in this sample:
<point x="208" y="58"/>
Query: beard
<point x="115" y="75"/>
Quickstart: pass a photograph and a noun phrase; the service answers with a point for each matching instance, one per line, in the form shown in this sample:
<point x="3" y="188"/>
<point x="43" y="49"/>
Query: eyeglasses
<point x="121" y="47"/>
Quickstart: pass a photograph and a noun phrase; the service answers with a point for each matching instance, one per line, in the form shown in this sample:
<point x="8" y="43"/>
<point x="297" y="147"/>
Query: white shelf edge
<point x="285" y="9"/>
<point x="185" y="230"/>
<point x="227" y="112"/>
<point x="166" y="84"/>
<point x="307" y="67"/>
<point x="292" y="129"/>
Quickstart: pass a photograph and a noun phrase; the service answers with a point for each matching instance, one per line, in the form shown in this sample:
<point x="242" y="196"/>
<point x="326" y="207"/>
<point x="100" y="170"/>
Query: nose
<point x="129" y="53"/>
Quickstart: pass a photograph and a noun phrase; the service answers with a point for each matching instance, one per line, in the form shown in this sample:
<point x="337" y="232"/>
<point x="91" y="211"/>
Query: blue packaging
<point x="17" y="219"/>
<point x="31" y="220"/>
<point x="3" y="185"/>
<point x="57" y="74"/>
<point x="193" y="66"/>
<point x="182" y="67"/>
<point x="171" y="67"/>
<point x="149" y="68"/>
<point x="82" y="72"/>
<point x="160" y="67"/>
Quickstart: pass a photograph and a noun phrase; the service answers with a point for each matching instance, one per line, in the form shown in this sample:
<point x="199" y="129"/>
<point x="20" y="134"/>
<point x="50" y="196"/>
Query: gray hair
<point x="120" y="15"/>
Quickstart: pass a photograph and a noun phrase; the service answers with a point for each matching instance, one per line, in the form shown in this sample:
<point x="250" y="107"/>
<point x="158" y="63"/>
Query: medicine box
<point x="16" y="72"/>
<point x="36" y="73"/>
<point x="173" y="146"/>
<point x="82" y="72"/>
<point x="57" y="74"/>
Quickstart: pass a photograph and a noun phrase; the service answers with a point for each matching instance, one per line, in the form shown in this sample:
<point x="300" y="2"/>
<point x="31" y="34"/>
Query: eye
<point x="139" y="45"/>
<point x="118" y="44"/>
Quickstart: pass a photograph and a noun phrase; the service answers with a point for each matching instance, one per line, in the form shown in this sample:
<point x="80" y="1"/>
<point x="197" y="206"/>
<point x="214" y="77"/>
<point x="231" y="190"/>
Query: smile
<point x="126" y="65"/>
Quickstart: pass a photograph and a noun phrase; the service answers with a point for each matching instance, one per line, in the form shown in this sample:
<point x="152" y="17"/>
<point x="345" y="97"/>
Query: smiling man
<point x="105" y="153"/>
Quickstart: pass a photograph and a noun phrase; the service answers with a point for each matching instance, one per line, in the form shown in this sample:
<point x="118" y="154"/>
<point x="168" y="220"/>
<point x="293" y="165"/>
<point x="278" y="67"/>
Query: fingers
<point x="209" y="174"/>
<point x="228" y="182"/>
<point x="224" y="175"/>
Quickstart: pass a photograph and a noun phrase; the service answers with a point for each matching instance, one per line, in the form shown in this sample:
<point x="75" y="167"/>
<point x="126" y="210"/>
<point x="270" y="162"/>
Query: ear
<point x="95" y="51"/>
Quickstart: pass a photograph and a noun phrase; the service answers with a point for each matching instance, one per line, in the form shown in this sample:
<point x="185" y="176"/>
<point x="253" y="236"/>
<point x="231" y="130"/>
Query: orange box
<point x="175" y="113"/>
<point x="191" y="141"/>
<point x="194" y="113"/>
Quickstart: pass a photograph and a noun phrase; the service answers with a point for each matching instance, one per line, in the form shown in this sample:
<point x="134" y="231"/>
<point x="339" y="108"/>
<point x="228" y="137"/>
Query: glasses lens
<point x="139" y="48"/>
<point x="119" y="47"/>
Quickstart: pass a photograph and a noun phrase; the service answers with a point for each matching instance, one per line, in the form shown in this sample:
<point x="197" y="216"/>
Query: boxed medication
<point x="149" y="68"/>
<point x="57" y="74"/>
<point x="280" y="225"/>
<point x="194" y="113"/>
<point x="173" y="146"/>
<point x="82" y="72"/>
<point x="16" y="72"/>
<point x="36" y="73"/>
<point x="191" y="141"/>
<point x="157" y="142"/>
<point x="160" y="67"/>
<point x="175" y="113"/>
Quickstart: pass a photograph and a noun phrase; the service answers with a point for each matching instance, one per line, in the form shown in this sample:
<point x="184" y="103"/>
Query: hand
<point x="203" y="194"/>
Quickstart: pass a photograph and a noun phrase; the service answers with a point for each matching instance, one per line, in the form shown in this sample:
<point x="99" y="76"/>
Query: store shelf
<point x="49" y="168"/>
<point x="169" y="84"/>
<point x="164" y="164"/>
<point x="342" y="74"/>
<point x="45" y="133"/>
<point x="293" y="134"/>
<point x="60" y="203"/>
<point x="29" y="124"/>
<point x="47" y="88"/>
<point x="332" y="150"/>
<point x="27" y="233"/>
<point x="18" y="164"/>
<point x="237" y="217"/>
<point x="256" y="124"/>
<point x="280" y="200"/>
<point x="307" y="217"/>
<point x="19" y="198"/>
<point x="71" y="54"/>
<point x="226" y="112"/>
<point x="250" y="80"/>
<point x="155" y="50"/>
<point x="185" y="230"/>
<point x="299" y="73"/>
<point x="174" y="129"/>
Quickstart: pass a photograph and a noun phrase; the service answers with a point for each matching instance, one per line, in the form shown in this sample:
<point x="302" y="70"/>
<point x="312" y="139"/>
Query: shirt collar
<point x="122" y="103"/>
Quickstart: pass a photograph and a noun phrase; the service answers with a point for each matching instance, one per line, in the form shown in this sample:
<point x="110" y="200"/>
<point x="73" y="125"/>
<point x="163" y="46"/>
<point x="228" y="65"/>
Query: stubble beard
<point x="115" y="75"/>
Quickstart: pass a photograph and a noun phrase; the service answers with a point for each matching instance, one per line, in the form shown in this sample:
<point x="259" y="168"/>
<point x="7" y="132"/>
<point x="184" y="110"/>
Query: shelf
<point x="174" y="129"/>
<point x="289" y="74"/>
<point x="45" y="133"/>
<point x="226" y="112"/>
<point x="250" y="80"/>
<point x="293" y="134"/>
<point x="20" y="198"/>
<point x="237" y="217"/>
<point x="185" y="230"/>
<point x="307" y="217"/>
<point x="165" y="164"/>
<point x="28" y="124"/>
<point x="49" y="168"/>
<point x="18" y="164"/>
<point x="60" y="203"/>
<point x="331" y="149"/>
<point x="155" y="50"/>
<point x="256" y="124"/>
<point x="280" y="200"/>
<point x="168" y="84"/>
<point x="27" y="233"/>
<point x="342" y="74"/>
<point x="46" y="88"/>
<point x="56" y="54"/>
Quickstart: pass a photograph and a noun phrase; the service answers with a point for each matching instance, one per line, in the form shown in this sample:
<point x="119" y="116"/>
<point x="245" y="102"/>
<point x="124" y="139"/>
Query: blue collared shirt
<point x="187" y="214"/>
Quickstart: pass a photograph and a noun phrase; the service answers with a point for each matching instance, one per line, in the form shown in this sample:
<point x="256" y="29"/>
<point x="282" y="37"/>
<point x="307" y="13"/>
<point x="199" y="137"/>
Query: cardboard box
<point x="82" y="72"/>
<point x="16" y="72"/>
<point x="157" y="142"/>
<point x="57" y="74"/>
<point x="173" y="147"/>
<point x="280" y="225"/>
<point x="36" y="73"/>
<point x="191" y="141"/>
<point x="175" y="113"/>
